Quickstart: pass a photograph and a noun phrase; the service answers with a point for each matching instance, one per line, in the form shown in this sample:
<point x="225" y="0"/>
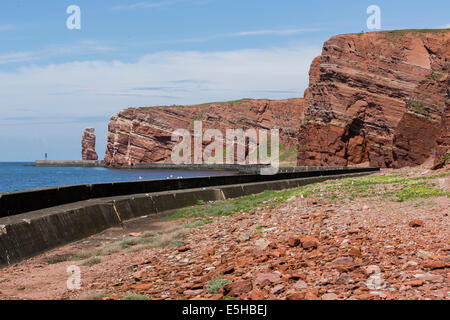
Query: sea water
<point x="16" y="176"/>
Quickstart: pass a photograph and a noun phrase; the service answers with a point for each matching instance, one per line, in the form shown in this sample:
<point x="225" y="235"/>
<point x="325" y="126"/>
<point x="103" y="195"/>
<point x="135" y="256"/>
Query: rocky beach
<point x="382" y="237"/>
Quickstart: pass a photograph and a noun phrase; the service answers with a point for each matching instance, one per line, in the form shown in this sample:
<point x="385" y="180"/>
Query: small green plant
<point x="418" y="106"/>
<point x="350" y="188"/>
<point x="82" y="255"/>
<point x="419" y="190"/>
<point x="144" y="240"/>
<point x="176" y="243"/>
<point x="260" y="227"/>
<point x="92" y="261"/>
<point x="231" y="103"/>
<point x="168" y="237"/>
<point x="129" y="243"/>
<point x="231" y="206"/>
<point x="446" y="159"/>
<point x="227" y="298"/>
<point x="134" y="296"/>
<point x="425" y="203"/>
<point x="198" y="223"/>
<point x="108" y="250"/>
<point x="98" y="296"/>
<point x="288" y="154"/>
<point x="215" y="285"/>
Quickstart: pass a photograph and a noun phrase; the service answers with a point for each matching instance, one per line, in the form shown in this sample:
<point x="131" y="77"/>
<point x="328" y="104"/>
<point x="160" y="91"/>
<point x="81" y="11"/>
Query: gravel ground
<point x="357" y="239"/>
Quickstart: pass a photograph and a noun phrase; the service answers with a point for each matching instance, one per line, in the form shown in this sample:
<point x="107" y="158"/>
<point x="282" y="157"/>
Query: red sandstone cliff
<point x="378" y="98"/>
<point x="143" y="135"/>
<point x="88" y="145"/>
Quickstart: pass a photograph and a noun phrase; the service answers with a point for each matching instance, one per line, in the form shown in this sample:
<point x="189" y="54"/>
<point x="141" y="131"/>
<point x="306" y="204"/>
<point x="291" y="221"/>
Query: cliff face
<point x="88" y="145"/>
<point x="143" y="135"/>
<point x="378" y="98"/>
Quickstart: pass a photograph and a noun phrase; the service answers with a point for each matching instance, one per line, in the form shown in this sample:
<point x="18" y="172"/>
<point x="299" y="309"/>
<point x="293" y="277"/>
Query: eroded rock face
<point x="143" y="135"/>
<point x="442" y="158"/>
<point x="380" y="99"/>
<point x="88" y="145"/>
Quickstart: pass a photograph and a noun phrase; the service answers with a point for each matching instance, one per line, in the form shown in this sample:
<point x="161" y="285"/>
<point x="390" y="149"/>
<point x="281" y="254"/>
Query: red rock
<point x="192" y="293"/>
<point x="111" y="298"/>
<point x="342" y="261"/>
<point x="278" y="252"/>
<point x="329" y="296"/>
<point x="296" y="295"/>
<point x="144" y="286"/>
<point x="355" y="252"/>
<point x="183" y="249"/>
<point x="138" y="275"/>
<point x="277" y="289"/>
<point x="300" y="285"/>
<point x="436" y="264"/>
<point x="311" y="296"/>
<point x="228" y="270"/>
<point x="293" y="241"/>
<point x="272" y="245"/>
<point x="360" y="111"/>
<point x="429" y="277"/>
<point x="297" y="276"/>
<point x="416" y="223"/>
<point x="142" y="135"/>
<point x="257" y="294"/>
<point x="366" y="296"/>
<point x="88" y="145"/>
<point x="413" y="283"/>
<point x="135" y="234"/>
<point x="309" y="242"/>
<point x="198" y="271"/>
<point x="267" y="278"/>
<point x="344" y="278"/>
<point x="378" y="98"/>
<point x="237" y="288"/>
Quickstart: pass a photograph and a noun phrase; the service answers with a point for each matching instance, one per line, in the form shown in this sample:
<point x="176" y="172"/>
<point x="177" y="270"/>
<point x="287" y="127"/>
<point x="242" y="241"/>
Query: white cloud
<point x="276" y="32"/>
<point x="144" y="5"/>
<point x="95" y="87"/>
<point x="447" y="26"/>
<point x="40" y="101"/>
<point x="15" y="57"/>
<point x="7" y="27"/>
<point x="265" y="32"/>
<point x="82" y="47"/>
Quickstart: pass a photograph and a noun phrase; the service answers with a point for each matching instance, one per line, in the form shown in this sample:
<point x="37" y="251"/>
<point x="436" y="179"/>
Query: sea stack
<point x="88" y="145"/>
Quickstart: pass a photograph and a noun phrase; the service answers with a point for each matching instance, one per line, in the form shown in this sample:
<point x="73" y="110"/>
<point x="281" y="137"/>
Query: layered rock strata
<point x="143" y="135"/>
<point x="88" y="145"/>
<point x="380" y="99"/>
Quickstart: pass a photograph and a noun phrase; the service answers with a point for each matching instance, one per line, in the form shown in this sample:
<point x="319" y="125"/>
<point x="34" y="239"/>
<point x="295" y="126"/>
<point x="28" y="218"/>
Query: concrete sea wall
<point x="31" y="233"/>
<point x="12" y="203"/>
<point x="68" y="163"/>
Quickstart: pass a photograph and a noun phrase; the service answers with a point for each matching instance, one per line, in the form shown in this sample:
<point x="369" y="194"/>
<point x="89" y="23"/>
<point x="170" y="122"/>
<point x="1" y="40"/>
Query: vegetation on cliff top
<point x="232" y="103"/>
<point x="402" y="32"/>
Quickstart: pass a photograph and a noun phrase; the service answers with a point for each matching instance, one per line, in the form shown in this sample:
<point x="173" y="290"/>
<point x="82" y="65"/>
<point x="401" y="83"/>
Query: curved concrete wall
<point x="13" y="203"/>
<point x="28" y="234"/>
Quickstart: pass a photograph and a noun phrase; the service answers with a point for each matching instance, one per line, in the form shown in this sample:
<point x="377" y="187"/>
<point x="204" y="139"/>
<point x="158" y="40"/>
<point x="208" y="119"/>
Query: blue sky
<point x="54" y="82"/>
